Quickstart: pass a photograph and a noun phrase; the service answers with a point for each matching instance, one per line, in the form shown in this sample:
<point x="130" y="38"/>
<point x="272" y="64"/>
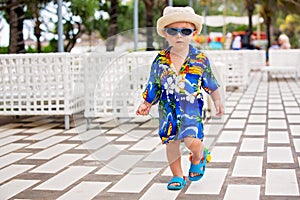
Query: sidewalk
<point x="255" y="153"/>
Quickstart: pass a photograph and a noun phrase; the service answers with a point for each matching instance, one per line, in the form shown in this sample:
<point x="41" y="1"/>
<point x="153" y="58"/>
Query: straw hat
<point x="178" y="14"/>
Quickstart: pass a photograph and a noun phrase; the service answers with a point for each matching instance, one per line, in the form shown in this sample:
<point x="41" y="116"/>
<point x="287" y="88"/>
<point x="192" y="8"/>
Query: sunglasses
<point x="182" y="31"/>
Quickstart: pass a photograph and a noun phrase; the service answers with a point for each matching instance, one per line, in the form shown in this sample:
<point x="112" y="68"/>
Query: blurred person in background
<point x="284" y="41"/>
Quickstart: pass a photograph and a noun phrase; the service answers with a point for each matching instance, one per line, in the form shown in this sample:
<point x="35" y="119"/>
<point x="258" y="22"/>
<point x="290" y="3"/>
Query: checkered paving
<point x="255" y="151"/>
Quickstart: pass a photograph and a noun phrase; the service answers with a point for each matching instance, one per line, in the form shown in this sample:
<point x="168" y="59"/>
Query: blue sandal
<point x="198" y="169"/>
<point x="176" y="179"/>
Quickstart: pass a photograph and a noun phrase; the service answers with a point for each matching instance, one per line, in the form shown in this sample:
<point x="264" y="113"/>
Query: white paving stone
<point x="45" y="134"/>
<point x="41" y="128"/>
<point x="297" y="145"/>
<point x="235" y="124"/>
<point x="10" y="139"/>
<point x="230" y="137"/>
<point x="122" y="129"/>
<point x="240" y="114"/>
<point x="281" y="182"/>
<point x="85" y="190"/>
<point x="52" y="151"/>
<point x="11" y="158"/>
<point x="248" y="166"/>
<point x="120" y="165"/>
<point x="12" y="171"/>
<point x="147" y="144"/>
<point x="222" y="153"/>
<point x="275" y="107"/>
<point x="57" y="163"/>
<point x="279" y="155"/>
<point x="255" y="130"/>
<point x="10" y="132"/>
<point x="292" y="110"/>
<point x="295" y="130"/>
<point x="133" y="136"/>
<point x="158" y="155"/>
<point x="9" y="126"/>
<point x="257" y="118"/>
<point x="66" y="178"/>
<point x="47" y="142"/>
<point x="245" y="192"/>
<point x="15" y="186"/>
<point x="87" y="135"/>
<point x="96" y="143"/>
<point x="258" y="110"/>
<point x="107" y="152"/>
<point x="260" y="103"/>
<point x="278" y="137"/>
<point x="276" y="114"/>
<point x="11" y="147"/>
<point x="290" y="103"/>
<point x="211" y="183"/>
<point x="135" y="181"/>
<point x="243" y="107"/>
<point x="252" y="145"/>
<point x="293" y="119"/>
<point x="159" y="191"/>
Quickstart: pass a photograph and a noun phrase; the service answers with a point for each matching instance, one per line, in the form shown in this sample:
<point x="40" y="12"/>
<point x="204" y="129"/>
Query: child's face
<point x="180" y="40"/>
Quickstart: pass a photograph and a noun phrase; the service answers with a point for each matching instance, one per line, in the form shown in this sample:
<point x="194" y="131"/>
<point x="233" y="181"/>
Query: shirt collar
<point x="192" y="51"/>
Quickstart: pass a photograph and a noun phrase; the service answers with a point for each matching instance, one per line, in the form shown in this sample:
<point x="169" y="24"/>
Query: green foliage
<point x="3" y="50"/>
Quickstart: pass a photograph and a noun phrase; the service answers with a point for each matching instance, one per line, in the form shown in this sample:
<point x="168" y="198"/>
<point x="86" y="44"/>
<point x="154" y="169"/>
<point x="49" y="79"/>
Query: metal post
<point x="224" y="18"/>
<point x="60" y="27"/>
<point x="170" y="3"/>
<point x="191" y="3"/>
<point x="204" y="25"/>
<point x="136" y="23"/>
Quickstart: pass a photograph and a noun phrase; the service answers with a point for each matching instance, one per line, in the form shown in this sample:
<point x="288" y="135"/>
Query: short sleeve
<point x="209" y="82"/>
<point x="152" y="91"/>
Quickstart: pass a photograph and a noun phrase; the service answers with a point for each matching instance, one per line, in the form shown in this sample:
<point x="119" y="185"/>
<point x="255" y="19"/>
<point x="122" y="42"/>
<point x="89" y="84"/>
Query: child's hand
<point x="143" y="109"/>
<point x="219" y="108"/>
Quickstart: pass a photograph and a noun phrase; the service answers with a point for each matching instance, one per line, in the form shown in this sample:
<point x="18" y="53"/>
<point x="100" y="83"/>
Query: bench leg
<point x="269" y="76"/>
<point x="88" y="123"/>
<point x="67" y="122"/>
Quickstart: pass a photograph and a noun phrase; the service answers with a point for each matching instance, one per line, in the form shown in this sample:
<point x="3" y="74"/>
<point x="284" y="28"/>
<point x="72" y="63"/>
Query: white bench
<point x="282" y="71"/>
<point x="283" y="63"/>
<point x="41" y="84"/>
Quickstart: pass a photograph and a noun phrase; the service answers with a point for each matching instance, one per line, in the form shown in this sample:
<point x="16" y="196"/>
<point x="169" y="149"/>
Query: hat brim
<point x="164" y="21"/>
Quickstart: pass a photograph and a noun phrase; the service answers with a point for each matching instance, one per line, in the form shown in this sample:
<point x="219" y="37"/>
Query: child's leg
<point x="196" y="146"/>
<point x="174" y="158"/>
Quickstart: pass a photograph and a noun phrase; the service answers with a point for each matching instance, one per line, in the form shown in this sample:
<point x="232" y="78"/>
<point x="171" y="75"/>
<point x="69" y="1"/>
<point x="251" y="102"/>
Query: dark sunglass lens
<point x="172" y="31"/>
<point x="186" y="31"/>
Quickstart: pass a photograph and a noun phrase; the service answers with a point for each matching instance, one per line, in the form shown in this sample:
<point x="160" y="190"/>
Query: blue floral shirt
<point x="179" y="94"/>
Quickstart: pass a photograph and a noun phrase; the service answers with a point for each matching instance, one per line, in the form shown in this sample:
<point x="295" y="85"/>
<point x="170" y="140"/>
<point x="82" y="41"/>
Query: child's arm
<point x="215" y="95"/>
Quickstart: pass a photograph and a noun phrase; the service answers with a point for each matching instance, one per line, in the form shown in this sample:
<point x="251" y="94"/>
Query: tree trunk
<point x="37" y="30"/>
<point x="113" y="26"/>
<point x="250" y="14"/>
<point x="73" y="40"/>
<point x="149" y="24"/>
<point x="15" y="20"/>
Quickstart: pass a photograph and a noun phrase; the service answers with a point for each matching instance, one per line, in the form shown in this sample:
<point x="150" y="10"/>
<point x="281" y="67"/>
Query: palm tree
<point x="113" y="26"/>
<point x="250" y="6"/>
<point x="149" y="23"/>
<point x="268" y="8"/>
<point x="15" y="18"/>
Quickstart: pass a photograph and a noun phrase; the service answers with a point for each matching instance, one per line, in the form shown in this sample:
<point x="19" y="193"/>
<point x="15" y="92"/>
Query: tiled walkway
<point x="255" y="153"/>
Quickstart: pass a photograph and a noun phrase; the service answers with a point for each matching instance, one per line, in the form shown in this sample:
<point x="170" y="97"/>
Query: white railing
<point x="99" y="84"/>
